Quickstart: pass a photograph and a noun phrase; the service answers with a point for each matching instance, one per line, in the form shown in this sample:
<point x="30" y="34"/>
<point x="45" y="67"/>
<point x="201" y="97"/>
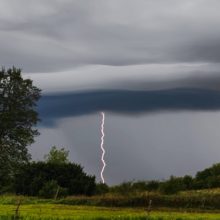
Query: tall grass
<point x="190" y="200"/>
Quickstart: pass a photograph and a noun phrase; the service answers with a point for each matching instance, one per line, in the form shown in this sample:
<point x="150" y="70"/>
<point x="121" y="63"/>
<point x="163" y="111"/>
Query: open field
<point x="53" y="211"/>
<point x="35" y="209"/>
<point x="196" y="199"/>
<point x="202" y="200"/>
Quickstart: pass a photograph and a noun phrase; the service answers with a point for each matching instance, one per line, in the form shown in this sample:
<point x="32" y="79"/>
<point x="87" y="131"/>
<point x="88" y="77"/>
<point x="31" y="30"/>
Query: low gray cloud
<point x="135" y="77"/>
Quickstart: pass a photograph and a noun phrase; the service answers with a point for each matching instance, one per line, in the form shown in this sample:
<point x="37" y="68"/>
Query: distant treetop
<point x="57" y="156"/>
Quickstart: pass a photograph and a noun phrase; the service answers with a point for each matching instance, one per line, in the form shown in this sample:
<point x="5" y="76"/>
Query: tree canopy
<point x="18" y="116"/>
<point x="57" y="156"/>
<point x="34" y="177"/>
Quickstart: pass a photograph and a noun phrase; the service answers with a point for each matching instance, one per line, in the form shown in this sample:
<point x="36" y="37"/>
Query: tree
<point x="173" y="185"/>
<point x="101" y="188"/>
<point x="57" y="156"/>
<point x="153" y="185"/>
<point x="188" y="182"/>
<point x="18" y="116"/>
<point x="208" y="178"/>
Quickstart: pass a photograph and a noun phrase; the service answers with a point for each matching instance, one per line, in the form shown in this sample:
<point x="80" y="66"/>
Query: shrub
<point x="101" y="188"/>
<point x="172" y="186"/>
<point x="51" y="189"/>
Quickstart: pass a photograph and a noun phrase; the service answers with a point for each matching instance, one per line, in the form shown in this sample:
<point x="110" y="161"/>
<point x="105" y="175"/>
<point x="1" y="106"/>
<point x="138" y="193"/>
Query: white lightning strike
<point x="102" y="146"/>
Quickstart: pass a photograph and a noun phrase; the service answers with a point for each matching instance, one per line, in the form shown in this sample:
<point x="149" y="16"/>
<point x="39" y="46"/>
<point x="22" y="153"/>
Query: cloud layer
<point x="41" y="36"/>
<point x="95" y="49"/>
<point x="127" y="102"/>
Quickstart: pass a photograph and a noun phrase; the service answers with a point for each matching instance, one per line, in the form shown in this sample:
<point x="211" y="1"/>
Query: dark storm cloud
<point x="55" y="107"/>
<point x="40" y="36"/>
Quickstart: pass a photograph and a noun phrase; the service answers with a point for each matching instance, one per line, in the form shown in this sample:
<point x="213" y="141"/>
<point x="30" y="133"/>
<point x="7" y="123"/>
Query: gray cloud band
<point x="54" y="107"/>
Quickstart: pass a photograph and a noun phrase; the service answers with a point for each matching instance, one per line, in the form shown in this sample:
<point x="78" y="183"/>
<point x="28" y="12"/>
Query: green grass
<point x="53" y="211"/>
<point x="174" y="207"/>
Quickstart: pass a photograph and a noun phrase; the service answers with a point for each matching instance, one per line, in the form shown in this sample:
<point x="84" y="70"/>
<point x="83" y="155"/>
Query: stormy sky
<point x="152" y="66"/>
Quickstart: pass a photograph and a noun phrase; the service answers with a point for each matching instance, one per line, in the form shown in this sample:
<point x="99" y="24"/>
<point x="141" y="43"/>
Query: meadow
<point x="112" y="207"/>
<point x="56" y="211"/>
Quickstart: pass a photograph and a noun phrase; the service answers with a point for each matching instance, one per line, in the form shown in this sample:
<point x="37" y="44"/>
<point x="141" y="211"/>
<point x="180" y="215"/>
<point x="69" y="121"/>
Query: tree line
<point x="54" y="177"/>
<point x="206" y="179"/>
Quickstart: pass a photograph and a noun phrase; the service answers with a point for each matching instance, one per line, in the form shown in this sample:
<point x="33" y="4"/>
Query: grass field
<point x="205" y="200"/>
<point x="83" y="208"/>
<point x="53" y="211"/>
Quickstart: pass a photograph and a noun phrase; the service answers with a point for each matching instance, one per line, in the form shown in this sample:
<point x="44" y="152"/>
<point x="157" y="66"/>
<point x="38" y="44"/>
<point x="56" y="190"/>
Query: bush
<point x="33" y="177"/>
<point x="153" y="185"/>
<point x="140" y="186"/>
<point x="102" y="188"/>
<point x="123" y="188"/>
<point x="52" y="190"/>
<point x="49" y="189"/>
<point x="172" y="186"/>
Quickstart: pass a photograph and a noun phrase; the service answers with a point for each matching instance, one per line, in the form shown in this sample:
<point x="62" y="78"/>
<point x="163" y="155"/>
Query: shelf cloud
<point x="55" y="107"/>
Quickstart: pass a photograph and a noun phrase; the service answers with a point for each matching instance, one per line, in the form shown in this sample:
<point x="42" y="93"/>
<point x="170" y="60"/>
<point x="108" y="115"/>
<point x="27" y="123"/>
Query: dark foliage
<point x="173" y="185"/>
<point x="135" y="187"/>
<point x="18" y="116"/>
<point x="51" y="189"/>
<point x="208" y="178"/>
<point x="33" y="176"/>
<point x="101" y="188"/>
<point x="153" y="185"/>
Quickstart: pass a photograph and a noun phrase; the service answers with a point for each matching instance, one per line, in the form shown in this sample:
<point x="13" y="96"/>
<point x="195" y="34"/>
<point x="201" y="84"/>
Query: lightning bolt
<point x="102" y="145"/>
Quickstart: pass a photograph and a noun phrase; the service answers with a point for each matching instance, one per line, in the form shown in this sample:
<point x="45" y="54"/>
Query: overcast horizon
<point x="152" y="66"/>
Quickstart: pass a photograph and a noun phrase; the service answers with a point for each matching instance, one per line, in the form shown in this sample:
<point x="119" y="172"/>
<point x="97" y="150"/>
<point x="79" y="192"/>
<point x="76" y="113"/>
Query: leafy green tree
<point x="188" y="182"/>
<point x="172" y="186"/>
<point x="208" y="178"/>
<point x="18" y="116"/>
<point x="101" y="188"/>
<point x="57" y="156"/>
